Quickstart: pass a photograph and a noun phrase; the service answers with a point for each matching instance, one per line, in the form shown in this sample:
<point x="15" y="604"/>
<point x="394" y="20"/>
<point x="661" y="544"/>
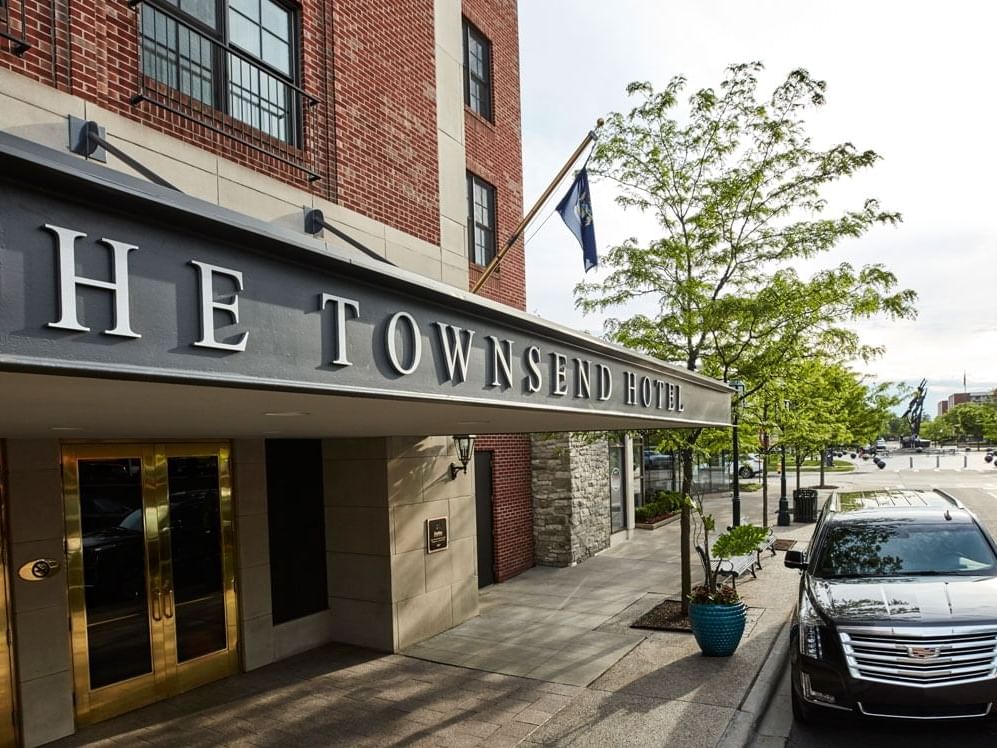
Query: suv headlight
<point x="811" y="630"/>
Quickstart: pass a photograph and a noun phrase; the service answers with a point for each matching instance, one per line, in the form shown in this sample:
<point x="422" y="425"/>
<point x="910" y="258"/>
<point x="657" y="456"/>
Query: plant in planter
<point x="665" y="504"/>
<point x="716" y="612"/>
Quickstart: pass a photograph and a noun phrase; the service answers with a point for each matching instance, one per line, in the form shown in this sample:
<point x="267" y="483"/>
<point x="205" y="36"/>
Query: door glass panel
<point x="616" y="458"/>
<point x="114" y="565"/>
<point x="196" y="555"/>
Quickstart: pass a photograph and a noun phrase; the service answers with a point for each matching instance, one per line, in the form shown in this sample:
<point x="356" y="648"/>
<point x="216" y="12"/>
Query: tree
<point x="970" y="421"/>
<point x="938" y="430"/>
<point x="832" y="405"/>
<point x="736" y="192"/>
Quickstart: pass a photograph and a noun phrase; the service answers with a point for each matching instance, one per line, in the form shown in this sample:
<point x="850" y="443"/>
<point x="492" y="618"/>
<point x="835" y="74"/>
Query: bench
<point x="730" y="567"/>
<point x="768" y="544"/>
<point x="737" y="566"/>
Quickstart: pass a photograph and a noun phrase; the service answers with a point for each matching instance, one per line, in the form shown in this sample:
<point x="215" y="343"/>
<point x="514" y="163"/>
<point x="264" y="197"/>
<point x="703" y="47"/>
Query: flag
<point x="576" y="212"/>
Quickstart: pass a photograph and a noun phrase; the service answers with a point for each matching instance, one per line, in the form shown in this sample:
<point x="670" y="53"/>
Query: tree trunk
<point x="799" y="461"/>
<point x="686" y="530"/>
<point x="823" y="455"/>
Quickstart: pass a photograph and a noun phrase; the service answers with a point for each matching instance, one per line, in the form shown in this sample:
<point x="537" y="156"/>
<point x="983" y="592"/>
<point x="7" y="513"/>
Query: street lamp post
<point x="783" y="519"/>
<point x="739" y="390"/>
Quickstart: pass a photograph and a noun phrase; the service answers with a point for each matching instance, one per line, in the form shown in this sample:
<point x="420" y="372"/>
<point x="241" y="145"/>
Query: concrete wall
<point x="42" y="655"/>
<point x="570" y="498"/>
<point x="386" y="591"/>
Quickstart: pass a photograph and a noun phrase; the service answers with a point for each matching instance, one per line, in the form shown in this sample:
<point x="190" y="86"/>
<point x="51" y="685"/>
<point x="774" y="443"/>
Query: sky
<point x="909" y="80"/>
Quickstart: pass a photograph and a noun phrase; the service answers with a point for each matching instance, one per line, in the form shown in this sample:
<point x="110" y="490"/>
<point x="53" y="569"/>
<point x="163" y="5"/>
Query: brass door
<point x="8" y="734"/>
<point x="151" y="572"/>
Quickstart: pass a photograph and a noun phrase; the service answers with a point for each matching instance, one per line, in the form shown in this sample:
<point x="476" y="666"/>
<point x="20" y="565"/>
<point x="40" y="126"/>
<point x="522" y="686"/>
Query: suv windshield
<point x="902" y="548"/>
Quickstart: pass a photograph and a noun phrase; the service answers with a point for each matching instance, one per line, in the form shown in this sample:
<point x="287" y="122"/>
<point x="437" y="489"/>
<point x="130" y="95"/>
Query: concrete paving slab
<point x="600" y="719"/>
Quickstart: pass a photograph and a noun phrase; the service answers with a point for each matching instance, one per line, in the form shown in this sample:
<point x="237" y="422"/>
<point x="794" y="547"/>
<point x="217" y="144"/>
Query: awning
<point x="128" y="310"/>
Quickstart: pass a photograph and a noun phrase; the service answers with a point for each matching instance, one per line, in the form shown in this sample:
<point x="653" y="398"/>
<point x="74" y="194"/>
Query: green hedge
<point x="665" y="502"/>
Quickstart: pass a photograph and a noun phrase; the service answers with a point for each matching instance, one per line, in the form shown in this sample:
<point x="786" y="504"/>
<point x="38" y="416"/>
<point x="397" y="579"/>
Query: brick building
<point x="236" y="338"/>
<point x="958" y="398"/>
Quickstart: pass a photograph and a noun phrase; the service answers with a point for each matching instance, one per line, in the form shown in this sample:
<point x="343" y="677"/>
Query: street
<point x="976" y="487"/>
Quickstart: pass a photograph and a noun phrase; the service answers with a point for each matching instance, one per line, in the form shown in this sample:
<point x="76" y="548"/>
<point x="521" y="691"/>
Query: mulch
<point x="665" y="616"/>
<point x="784" y="544"/>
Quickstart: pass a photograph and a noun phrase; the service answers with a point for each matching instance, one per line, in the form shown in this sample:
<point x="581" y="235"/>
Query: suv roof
<point x="891" y="503"/>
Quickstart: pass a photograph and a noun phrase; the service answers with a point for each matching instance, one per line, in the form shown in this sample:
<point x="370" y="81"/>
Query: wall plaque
<point x="436" y="534"/>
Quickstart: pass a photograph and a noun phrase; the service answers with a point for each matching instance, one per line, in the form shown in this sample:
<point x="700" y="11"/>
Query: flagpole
<point x="490" y="268"/>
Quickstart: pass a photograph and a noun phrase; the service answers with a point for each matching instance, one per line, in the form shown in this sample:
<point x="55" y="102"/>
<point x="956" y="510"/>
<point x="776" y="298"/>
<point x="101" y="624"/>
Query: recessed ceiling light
<point x="66" y="428"/>
<point x="287" y="413"/>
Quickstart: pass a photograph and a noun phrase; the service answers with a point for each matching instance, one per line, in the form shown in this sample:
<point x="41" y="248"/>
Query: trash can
<point x="805" y="505"/>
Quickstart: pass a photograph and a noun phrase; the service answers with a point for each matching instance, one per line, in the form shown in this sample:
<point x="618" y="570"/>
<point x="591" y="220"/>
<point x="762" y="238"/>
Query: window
<point x="296" y="518"/>
<point x="477" y="71"/>
<point x="480" y="220"/>
<point x="236" y="56"/>
<point x="18" y="42"/>
<point x="903" y="547"/>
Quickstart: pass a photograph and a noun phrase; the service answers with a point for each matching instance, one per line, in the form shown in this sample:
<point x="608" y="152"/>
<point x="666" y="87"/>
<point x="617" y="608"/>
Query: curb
<point x="744" y="722"/>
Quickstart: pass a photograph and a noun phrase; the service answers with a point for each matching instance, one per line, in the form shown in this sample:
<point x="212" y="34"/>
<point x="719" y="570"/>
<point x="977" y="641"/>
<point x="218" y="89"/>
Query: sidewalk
<point x="551" y="660"/>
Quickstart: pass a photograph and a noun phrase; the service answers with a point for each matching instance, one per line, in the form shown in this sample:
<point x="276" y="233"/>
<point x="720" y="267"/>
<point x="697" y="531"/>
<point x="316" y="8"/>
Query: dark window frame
<point x="473" y="224"/>
<point x="487" y="101"/>
<point x="222" y="77"/>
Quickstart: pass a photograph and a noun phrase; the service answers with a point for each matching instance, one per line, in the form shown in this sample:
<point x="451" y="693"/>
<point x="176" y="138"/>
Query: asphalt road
<point x="976" y="487"/>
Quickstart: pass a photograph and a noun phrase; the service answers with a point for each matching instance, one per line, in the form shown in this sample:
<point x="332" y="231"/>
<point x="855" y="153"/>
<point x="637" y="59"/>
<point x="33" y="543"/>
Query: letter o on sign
<point x="391" y="342"/>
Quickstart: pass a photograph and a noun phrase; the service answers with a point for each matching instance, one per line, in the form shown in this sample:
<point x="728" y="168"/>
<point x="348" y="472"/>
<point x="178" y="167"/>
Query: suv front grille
<point x="923" y="658"/>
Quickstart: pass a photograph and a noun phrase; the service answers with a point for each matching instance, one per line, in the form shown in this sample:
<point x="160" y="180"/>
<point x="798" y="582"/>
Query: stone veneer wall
<point x="570" y="498"/>
<point x="590" y="517"/>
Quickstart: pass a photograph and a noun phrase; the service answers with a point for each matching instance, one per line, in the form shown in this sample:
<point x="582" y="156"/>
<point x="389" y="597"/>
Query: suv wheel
<point x="746" y="472"/>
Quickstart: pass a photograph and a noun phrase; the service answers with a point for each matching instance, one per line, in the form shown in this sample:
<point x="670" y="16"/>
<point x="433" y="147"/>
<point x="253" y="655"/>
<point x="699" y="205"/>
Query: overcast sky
<point x="907" y="79"/>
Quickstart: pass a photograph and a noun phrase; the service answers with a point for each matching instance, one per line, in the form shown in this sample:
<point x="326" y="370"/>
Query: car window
<point x="900" y="548"/>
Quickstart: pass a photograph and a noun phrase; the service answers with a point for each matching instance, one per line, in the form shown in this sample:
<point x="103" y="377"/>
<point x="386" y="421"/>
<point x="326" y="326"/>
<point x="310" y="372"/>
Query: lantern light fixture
<point x="465" y="450"/>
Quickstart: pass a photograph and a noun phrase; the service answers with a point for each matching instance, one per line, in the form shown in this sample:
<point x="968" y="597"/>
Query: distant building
<point x="944" y="406"/>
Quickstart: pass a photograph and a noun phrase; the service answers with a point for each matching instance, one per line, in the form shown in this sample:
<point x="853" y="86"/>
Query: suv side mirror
<point x="796" y="560"/>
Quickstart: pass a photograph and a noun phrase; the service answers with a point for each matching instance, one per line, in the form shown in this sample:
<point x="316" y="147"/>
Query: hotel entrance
<point x="151" y="572"/>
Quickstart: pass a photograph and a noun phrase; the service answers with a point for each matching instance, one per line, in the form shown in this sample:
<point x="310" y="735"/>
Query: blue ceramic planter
<point x="717" y="628"/>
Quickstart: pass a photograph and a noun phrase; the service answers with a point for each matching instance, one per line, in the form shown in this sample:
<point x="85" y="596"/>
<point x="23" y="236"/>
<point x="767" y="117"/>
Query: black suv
<point x="897" y="611"/>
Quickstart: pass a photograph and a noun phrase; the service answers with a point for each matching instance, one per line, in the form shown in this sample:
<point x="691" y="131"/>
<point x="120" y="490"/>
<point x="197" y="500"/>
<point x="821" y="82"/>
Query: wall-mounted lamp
<point x="465" y="449"/>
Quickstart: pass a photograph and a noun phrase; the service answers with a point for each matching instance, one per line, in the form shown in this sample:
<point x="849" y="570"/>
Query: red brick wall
<point x="385" y="70"/>
<point x="494" y="150"/>
<point x="512" y="502"/>
<point x="371" y="138"/>
<point x="494" y="153"/>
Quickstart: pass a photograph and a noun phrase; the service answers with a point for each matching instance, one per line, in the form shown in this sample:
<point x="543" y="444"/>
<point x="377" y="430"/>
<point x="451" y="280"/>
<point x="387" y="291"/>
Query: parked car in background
<point x="750" y="465"/>
<point x="655" y="460"/>
<point x="897" y="610"/>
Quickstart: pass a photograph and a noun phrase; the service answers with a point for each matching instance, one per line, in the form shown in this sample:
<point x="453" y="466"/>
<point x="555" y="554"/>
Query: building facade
<point x="236" y="338"/>
<point x="958" y="398"/>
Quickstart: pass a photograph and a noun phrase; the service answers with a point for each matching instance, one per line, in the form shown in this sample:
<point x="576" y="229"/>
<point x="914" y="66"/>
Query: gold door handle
<point x="156" y="605"/>
<point x="169" y="600"/>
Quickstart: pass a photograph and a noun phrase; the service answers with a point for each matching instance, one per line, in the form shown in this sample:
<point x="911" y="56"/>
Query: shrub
<point x="738" y="541"/>
<point x="670" y="500"/>
<point x="665" y="502"/>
